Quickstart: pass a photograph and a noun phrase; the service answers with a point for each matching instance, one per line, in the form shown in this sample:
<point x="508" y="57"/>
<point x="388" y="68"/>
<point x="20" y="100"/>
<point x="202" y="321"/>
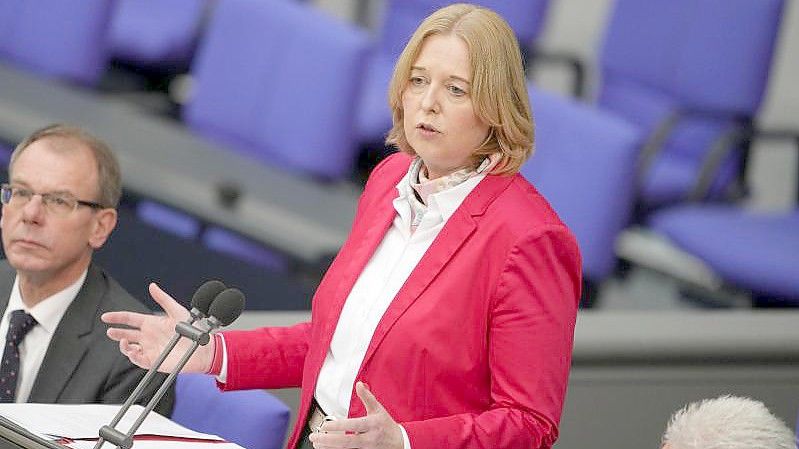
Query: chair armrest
<point x="572" y="62"/>
<point x="734" y="139"/>
<point x="737" y="138"/>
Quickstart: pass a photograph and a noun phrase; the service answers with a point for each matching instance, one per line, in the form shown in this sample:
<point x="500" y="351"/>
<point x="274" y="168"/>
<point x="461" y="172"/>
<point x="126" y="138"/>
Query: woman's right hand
<point x="146" y="336"/>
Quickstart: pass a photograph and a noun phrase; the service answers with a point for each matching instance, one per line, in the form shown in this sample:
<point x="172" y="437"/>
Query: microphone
<point x="203" y="297"/>
<point x="226" y="307"/>
<point x="223" y="310"/>
<point x="200" y="303"/>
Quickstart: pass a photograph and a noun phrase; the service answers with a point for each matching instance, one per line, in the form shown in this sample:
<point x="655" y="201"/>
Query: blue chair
<point x="582" y="164"/>
<point x="156" y="34"/>
<point x="63" y="39"/>
<point x="401" y="18"/>
<point x="736" y="249"/>
<point x="691" y="79"/>
<point x="757" y="252"/>
<point x="278" y="81"/>
<point x="253" y="419"/>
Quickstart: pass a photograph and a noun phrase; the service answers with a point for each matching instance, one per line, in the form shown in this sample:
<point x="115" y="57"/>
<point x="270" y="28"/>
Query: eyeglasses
<point x="60" y="203"/>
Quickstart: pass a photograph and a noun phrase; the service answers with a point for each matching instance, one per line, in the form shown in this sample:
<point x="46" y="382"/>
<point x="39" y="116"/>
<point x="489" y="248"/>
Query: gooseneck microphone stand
<point x="201" y="301"/>
<point x="225" y="308"/>
<point x="125" y="440"/>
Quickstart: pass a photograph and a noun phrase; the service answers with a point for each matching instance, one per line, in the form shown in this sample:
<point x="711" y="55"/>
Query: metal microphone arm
<point x="148" y="378"/>
<point x="200" y="337"/>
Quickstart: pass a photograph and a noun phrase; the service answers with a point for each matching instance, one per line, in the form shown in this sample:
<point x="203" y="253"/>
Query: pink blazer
<point x="475" y="349"/>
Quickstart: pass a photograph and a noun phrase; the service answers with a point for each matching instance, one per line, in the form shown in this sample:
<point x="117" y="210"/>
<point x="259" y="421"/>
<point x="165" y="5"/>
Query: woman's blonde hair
<point x="499" y="91"/>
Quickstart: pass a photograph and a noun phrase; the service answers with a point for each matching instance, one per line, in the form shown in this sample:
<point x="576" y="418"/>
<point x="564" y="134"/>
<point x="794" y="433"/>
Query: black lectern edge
<point x="20" y="437"/>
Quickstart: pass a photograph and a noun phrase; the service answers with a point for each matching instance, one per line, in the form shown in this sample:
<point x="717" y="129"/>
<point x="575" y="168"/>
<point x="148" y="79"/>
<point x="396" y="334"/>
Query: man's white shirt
<point x="48" y="314"/>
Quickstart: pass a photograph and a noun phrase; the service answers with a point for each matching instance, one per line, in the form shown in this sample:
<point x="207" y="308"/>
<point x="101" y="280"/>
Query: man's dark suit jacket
<point x="83" y="365"/>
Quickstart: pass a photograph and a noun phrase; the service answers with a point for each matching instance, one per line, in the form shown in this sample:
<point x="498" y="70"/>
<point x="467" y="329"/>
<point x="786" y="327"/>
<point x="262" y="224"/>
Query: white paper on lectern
<point x="156" y="444"/>
<point x="84" y="421"/>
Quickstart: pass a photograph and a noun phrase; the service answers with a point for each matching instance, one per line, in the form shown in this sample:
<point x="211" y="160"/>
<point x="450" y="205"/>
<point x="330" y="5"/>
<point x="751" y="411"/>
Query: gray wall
<point x="632" y="369"/>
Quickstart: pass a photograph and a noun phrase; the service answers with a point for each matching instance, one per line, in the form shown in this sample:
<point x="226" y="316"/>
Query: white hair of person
<point x="727" y="422"/>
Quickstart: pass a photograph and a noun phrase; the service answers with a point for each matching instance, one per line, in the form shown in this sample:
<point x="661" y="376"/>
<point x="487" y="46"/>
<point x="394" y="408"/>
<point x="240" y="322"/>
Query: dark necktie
<point x="18" y="327"/>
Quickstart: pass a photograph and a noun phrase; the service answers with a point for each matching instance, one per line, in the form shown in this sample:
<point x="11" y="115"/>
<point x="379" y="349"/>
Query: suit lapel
<point x="456" y="232"/>
<point x="70" y="340"/>
<point x="7" y="275"/>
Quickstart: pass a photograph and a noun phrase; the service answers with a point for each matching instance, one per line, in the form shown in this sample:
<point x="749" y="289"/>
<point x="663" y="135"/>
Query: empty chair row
<point x="732" y="249"/>
<point x="684" y="73"/>
<point x="286" y="85"/>
<point x="294" y="88"/>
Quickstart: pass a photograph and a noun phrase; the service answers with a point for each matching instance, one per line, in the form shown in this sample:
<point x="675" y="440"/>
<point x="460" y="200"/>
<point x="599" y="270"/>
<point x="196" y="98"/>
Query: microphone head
<point x="227" y="306"/>
<point x="205" y="295"/>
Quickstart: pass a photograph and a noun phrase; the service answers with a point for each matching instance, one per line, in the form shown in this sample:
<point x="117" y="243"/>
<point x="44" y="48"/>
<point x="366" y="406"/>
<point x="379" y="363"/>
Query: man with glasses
<point x="59" y="205"/>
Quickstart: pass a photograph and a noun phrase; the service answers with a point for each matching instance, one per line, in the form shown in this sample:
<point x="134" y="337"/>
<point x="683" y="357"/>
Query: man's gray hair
<point x="727" y="422"/>
<point x="108" y="172"/>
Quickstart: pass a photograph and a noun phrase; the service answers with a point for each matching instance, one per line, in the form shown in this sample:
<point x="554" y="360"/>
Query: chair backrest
<point x="65" y="39"/>
<point x="708" y="59"/>
<point x="278" y="81"/>
<point x="710" y="56"/>
<point x="402" y="17"/>
<point x="253" y="419"/>
<point x="582" y="164"/>
<point x="156" y="33"/>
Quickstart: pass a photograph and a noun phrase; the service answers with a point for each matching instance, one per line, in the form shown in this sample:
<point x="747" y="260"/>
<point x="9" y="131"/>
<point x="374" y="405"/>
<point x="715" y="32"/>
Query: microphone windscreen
<point x="205" y="295"/>
<point x="227" y="306"/>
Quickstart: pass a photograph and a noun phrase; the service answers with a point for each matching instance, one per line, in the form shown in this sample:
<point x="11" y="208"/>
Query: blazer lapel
<point x="455" y="233"/>
<point x="364" y="240"/>
<point x="70" y="341"/>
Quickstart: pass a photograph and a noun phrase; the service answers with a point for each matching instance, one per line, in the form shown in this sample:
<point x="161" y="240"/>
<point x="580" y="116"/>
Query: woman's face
<point x="439" y="119"/>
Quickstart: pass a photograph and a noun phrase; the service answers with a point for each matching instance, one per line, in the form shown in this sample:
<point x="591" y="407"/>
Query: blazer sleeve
<point x="269" y="357"/>
<point x="530" y="337"/>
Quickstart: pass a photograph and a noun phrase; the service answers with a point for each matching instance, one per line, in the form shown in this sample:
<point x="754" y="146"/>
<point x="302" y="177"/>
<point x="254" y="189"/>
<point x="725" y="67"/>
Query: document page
<point x="83" y="421"/>
<point x="155" y="444"/>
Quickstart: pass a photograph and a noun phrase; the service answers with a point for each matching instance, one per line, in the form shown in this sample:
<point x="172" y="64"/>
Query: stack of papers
<point x="77" y="426"/>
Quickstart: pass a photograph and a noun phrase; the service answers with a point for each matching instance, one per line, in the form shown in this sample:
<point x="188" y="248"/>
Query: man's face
<point x="39" y="242"/>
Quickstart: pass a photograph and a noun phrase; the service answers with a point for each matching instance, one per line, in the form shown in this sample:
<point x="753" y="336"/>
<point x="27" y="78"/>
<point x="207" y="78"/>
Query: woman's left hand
<point x="376" y="430"/>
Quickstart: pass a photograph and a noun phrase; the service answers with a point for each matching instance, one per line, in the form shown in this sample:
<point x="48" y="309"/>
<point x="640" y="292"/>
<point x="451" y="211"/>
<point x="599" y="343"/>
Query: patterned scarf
<point x="425" y="187"/>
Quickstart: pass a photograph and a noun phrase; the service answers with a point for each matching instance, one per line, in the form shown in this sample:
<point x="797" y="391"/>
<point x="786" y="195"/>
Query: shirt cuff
<point x="406" y="443"/>
<point x="222" y="377"/>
